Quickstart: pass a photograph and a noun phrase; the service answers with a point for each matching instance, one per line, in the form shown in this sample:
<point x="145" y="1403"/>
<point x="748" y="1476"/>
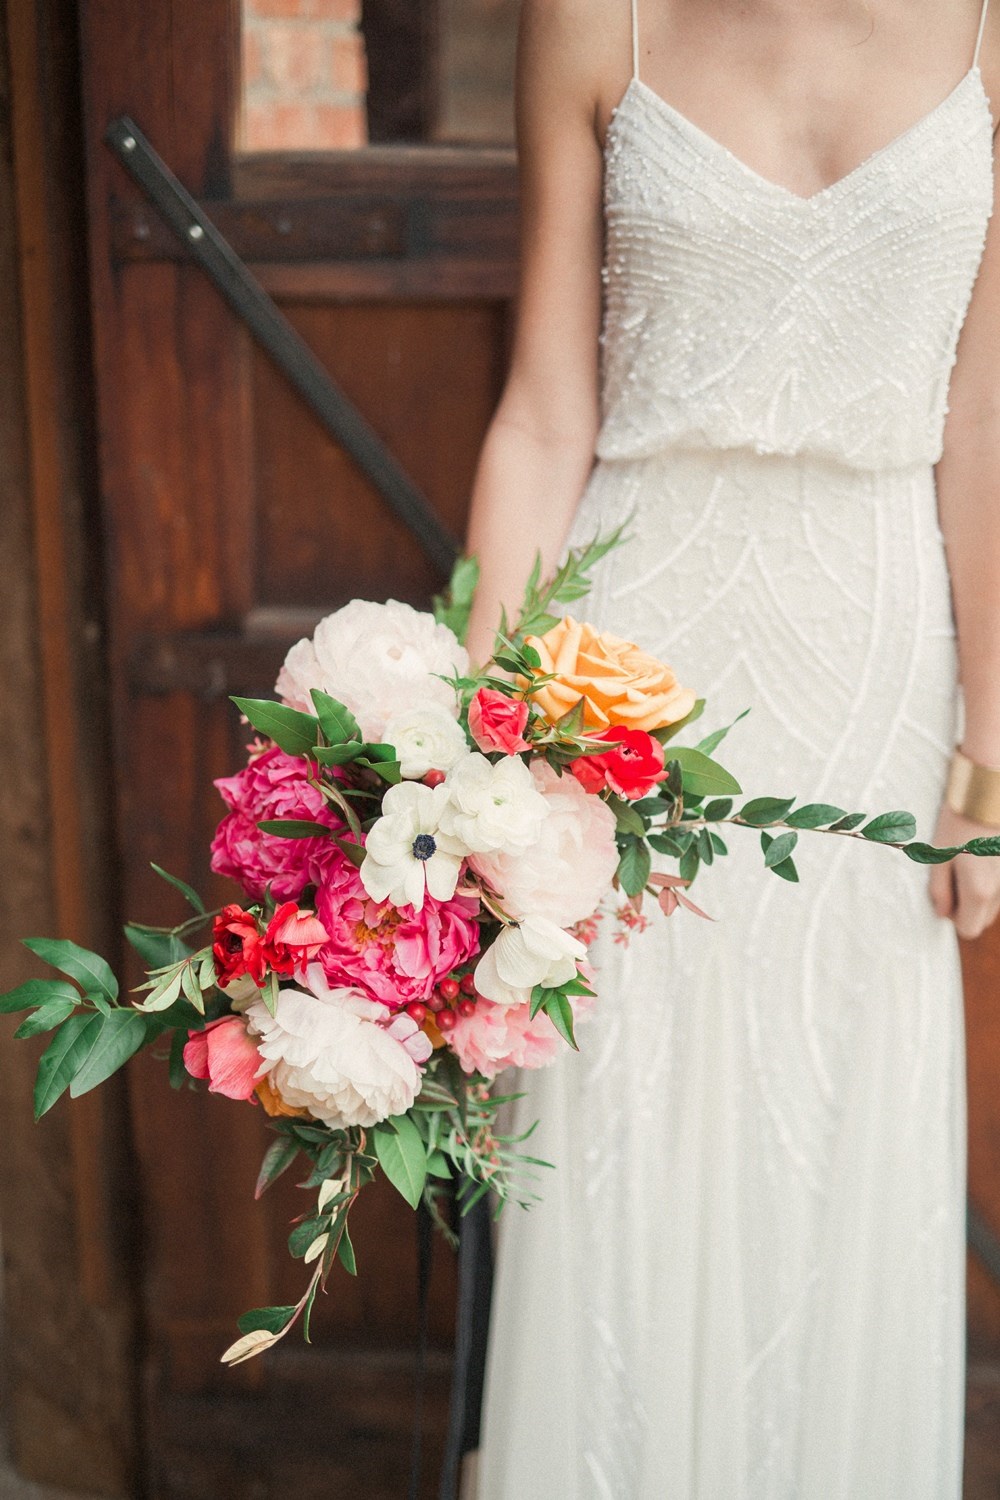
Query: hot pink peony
<point x="226" y="1055"/>
<point x="497" y="722"/>
<point x="273" y="785"/>
<point x="393" y="953"/>
<point x="568" y="869"/>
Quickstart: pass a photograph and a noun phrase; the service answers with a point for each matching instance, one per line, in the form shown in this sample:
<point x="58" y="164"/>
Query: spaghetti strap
<point x="979" y="38"/>
<point x="635" y="37"/>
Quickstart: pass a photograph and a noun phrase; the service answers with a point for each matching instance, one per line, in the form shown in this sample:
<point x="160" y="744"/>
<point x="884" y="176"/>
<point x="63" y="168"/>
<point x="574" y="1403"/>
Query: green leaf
<point x="52" y="1013"/>
<point x="890" y="828"/>
<point x="355" y="852"/>
<point x="335" y="718"/>
<point x="452" y="607"/>
<point x="157" y="949"/>
<point x="664" y="843"/>
<point x="761" y="810"/>
<point x="930" y="854"/>
<point x="178" y="1072"/>
<point x="627" y="820"/>
<point x="813" y="815"/>
<point x="571" y="722"/>
<point x="717" y="844"/>
<point x="274" y="1319"/>
<point x="786" y="869"/>
<point x="345" y="1251"/>
<point x="65" y="1053"/>
<point x="652" y="807"/>
<point x="88" y="969"/>
<point x="981" y="846"/>
<point x="711" y="741"/>
<point x="187" y="891"/>
<point x="338" y="755"/>
<point x="719" y="807"/>
<point x="705" y="849"/>
<point x="37" y="992"/>
<point x="277" y="1158"/>
<point x="304" y="1234"/>
<point x="294" y="732"/>
<point x="633" y="867"/>
<point x="402" y="1156"/>
<point x="120" y="1036"/>
<point x="294" y="828"/>
<point x="703" y="775"/>
<point x="688" y="867"/>
<point x="779" y="849"/>
<point x="438" y="1165"/>
<point x="390" y="770"/>
<point x="560" y="1013"/>
<point x="847" y="823"/>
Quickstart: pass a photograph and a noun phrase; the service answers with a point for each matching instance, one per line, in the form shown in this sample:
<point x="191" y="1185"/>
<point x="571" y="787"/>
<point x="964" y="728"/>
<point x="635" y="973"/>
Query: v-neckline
<point x="709" y="144"/>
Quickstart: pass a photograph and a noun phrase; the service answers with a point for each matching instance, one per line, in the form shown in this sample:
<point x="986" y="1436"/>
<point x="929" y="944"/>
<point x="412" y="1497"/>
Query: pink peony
<point x="495" y="1037"/>
<point x="393" y="953"/>
<point x="569" y="867"/>
<point x="497" y="722"/>
<point x="226" y="1055"/>
<point x="273" y="785"/>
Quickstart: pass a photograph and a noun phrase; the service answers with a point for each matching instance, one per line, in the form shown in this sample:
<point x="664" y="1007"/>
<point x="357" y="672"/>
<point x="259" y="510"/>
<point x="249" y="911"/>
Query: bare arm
<point x="538" y="450"/>
<point x="968" y="482"/>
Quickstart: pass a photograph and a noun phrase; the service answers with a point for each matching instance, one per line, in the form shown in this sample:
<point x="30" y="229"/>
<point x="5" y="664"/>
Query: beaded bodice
<point x="741" y="314"/>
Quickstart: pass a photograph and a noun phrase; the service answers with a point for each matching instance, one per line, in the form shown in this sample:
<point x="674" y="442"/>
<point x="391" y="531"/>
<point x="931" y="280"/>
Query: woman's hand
<point x="967" y="889"/>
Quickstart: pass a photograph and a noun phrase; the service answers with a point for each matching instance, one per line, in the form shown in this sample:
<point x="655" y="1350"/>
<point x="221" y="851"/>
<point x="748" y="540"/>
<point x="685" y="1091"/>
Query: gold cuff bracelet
<point x="974" y="790"/>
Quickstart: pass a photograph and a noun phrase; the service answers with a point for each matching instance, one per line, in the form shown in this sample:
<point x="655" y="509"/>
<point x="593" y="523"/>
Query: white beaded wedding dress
<point x="745" y="1278"/>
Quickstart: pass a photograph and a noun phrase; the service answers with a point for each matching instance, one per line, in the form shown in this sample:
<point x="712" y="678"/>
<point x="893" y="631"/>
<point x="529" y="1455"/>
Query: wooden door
<point x="232" y="522"/>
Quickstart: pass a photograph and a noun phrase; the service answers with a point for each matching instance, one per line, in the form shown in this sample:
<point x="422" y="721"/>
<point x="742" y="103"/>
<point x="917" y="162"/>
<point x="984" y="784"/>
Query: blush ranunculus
<point x="618" y="682"/>
<point x="497" y="722"/>
<point x="237" y="946"/>
<point x="272" y="786"/>
<point x="568" y="869"/>
<point x="632" y="767"/>
<point x="396" y="954"/>
<point x="293" y="938"/>
<point x="226" y="1055"/>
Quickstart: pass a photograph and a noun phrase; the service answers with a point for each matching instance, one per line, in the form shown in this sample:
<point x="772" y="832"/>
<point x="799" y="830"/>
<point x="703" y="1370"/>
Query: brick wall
<point x="304" y="75"/>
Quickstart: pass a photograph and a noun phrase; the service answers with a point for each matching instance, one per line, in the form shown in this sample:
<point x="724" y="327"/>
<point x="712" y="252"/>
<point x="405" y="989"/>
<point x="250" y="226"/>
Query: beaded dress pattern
<point x="744" y="1280"/>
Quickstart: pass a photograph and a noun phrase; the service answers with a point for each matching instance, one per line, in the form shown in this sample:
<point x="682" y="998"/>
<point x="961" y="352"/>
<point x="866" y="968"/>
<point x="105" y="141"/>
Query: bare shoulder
<point x="582" y="47"/>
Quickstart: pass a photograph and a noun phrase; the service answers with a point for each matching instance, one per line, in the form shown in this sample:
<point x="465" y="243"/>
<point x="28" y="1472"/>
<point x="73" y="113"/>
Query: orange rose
<point x="619" y="683"/>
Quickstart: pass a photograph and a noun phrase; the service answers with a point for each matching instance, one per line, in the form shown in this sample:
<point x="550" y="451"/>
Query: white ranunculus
<point x="493" y="807"/>
<point x="426" y="737"/>
<point x="326" y="1051"/>
<point x="568" y="869"/>
<point x="406" y="851"/>
<point x="378" y="659"/>
<point x="534" y="951"/>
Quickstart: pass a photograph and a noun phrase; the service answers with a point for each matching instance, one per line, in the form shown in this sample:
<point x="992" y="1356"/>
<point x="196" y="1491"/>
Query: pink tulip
<point x="224" y="1054"/>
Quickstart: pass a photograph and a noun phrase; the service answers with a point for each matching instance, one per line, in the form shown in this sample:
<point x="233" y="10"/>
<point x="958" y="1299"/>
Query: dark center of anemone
<point x="423" y="846"/>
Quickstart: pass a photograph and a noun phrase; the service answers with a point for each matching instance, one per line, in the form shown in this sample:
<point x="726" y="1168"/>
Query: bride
<point x="753" y="231"/>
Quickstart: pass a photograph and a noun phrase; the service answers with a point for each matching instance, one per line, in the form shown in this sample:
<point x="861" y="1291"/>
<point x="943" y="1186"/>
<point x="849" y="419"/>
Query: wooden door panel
<point x="427" y="379"/>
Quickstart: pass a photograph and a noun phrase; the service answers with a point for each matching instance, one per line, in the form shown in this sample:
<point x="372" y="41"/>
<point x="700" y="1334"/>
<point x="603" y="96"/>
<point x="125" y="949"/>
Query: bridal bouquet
<point x="423" y="854"/>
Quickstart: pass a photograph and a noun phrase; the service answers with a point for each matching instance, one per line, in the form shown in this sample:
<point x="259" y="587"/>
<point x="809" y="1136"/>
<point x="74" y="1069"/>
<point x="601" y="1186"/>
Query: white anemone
<point x="406" y="851"/>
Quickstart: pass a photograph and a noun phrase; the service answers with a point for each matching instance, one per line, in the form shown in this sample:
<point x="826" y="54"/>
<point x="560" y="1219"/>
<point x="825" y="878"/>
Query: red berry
<point x="467" y="985"/>
<point x="467" y="1007"/>
<point x="417" y="1011"/>
<point x="433" y="778"/>
<point x="448" y="988"/>
<point x="435" y="1003"/>
<point x="446" y="1020"/>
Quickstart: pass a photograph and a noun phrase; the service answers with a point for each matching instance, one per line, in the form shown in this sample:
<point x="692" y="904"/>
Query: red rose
<point x="293" y="937"/>
<point x="237" y="945"/>
<point x="631" y="768"/>
<point x="497" y="722"/>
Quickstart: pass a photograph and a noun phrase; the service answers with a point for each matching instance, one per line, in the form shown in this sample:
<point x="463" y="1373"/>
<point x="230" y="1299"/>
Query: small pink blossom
<point x="224" y="1054"/>
<point x="495" y="1037"/>
<point x="273" y="786"/>
<point x="395" y="954"/>
<point x="497" y="722"/>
